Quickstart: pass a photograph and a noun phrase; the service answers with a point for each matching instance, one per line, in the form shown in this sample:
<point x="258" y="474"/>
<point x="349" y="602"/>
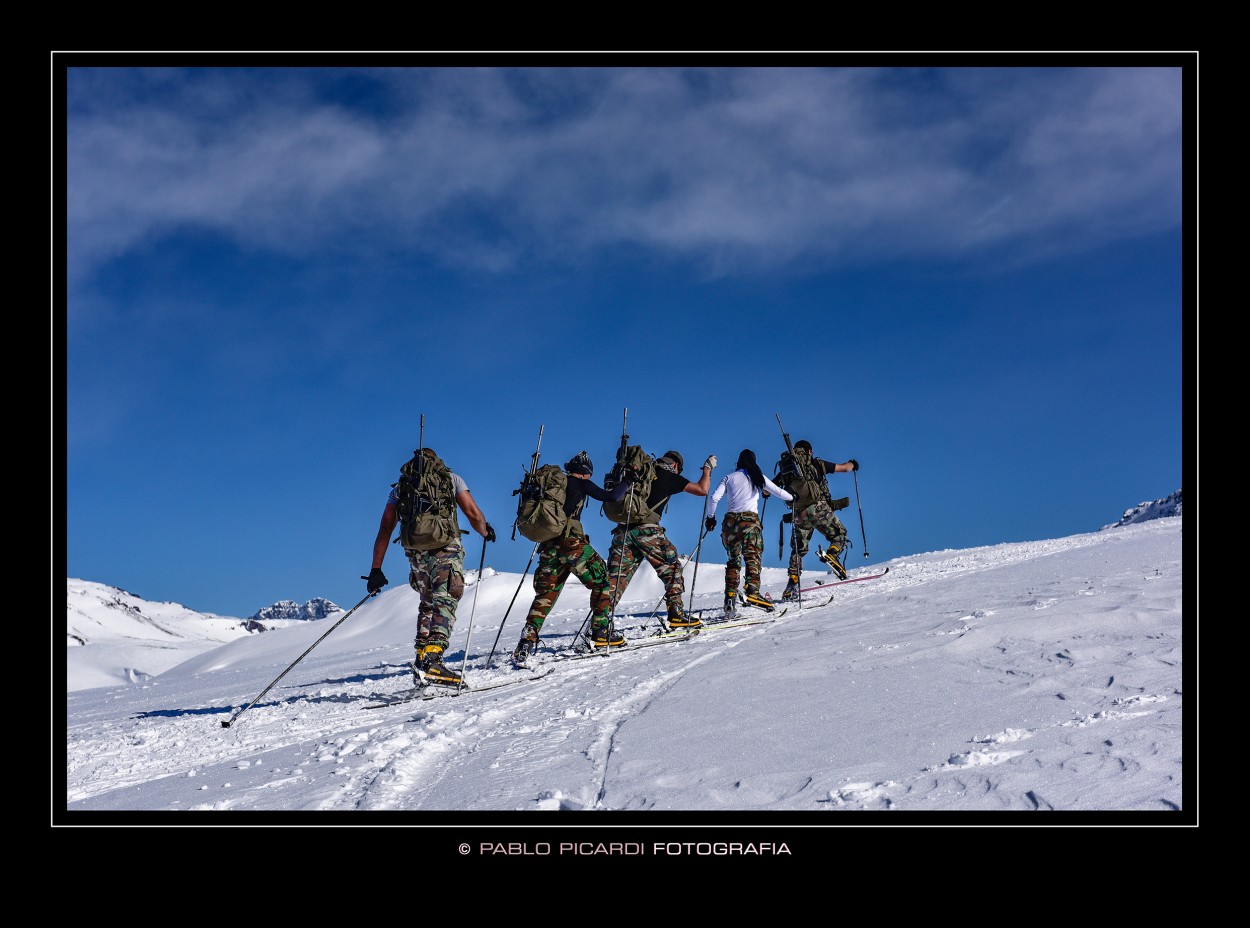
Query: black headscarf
<point x="580" y="464"/>
<point x="746" y="462"/>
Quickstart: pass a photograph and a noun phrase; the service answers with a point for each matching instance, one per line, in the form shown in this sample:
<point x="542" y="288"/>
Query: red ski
<point x="821" y="586"/>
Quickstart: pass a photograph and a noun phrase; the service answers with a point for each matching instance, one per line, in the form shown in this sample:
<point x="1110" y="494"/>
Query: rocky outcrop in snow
<point x="1151" y="509"/>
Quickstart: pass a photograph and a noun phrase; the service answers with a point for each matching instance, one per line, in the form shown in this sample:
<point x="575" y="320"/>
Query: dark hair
<point x="746" y="462"/>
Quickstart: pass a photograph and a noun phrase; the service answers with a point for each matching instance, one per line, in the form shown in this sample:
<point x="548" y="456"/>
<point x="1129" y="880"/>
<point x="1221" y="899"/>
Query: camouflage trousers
<point x="742" y="534"/>
<point x="645" y="543"/>
<point x="818" y="517"/>
<point x="439" y="577"/>
<point x="559" y="557"/>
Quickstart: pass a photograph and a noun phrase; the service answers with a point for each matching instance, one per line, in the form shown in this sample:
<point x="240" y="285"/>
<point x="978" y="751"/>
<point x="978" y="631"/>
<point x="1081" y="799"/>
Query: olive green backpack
<point x="427" y="503"/>
<point x="798" y="474"/>
<point x="540" y="512"/>
<point x="632" y="509"/>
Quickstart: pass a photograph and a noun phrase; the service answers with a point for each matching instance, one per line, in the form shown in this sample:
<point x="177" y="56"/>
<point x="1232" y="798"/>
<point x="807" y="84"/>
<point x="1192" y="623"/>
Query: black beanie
<point x="805" y="445"/>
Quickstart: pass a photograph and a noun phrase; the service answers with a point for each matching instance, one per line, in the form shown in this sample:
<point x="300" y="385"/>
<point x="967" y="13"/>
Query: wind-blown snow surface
<point x="1013" y="678"/>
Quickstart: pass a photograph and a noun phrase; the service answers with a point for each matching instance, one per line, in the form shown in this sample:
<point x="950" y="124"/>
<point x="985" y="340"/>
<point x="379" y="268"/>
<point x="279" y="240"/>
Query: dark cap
<point x="804" y="444"/>
<point x="676" y="459"/>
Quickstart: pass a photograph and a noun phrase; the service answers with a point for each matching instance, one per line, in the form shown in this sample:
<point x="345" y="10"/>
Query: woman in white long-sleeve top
<point x="741" y="532"/>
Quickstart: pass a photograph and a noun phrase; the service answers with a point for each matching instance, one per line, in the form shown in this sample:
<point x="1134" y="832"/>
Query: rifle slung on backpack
<point x="799" y="476"/>
<point x="528" y="474"/>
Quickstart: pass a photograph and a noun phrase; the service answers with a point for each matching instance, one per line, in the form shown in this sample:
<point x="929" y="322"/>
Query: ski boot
<point x="432" y="669"/>
<point x="731" y="604"/>
<point x="830" y="557"/>
<point x="525" y="647"/>
<point x="681" y="620"/>
<point x="605" y="636"/>
<point x="791" y="591"/>
<point x="753" y="598"/>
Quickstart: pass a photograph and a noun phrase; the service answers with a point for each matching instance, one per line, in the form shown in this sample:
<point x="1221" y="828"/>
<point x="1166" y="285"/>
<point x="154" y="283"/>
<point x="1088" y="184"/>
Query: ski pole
<point x="467" y="638"/>
<point x="510" y="605"/>
<point x="629" y="511"/>
<point x="855" y="474"/>
<point x="697" y="550"/>
<point x="583" y="625"/>
<point x="230" y="721"/>
<point x="658" y="602"/>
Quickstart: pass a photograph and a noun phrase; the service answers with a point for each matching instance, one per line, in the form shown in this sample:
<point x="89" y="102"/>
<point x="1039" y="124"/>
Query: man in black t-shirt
<point x="572" y="553"/>
<point x="646" y="541"/>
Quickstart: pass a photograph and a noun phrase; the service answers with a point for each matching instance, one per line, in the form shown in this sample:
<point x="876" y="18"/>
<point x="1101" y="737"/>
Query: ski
<point x="681" y="634"/>
<point x="443" y="691"/>
<point x="726" y="623"/>
<point x="769" y="615"/>
<point x="662" y="638"/>
<point x="662" y="613"/>
<point x="821" y="586"/>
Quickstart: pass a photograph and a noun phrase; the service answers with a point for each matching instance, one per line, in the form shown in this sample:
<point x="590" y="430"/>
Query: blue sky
<point x="971" y="279"/>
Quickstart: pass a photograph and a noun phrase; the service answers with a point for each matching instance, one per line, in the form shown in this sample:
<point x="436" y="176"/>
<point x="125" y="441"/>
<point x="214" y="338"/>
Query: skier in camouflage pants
<point x="436" y="574"/>
<point x="810" y="516"/>
<point x="742" y="533"/>
<point x="571" y="553"/>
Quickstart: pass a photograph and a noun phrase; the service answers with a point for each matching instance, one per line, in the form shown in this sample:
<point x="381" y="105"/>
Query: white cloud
<point x="758" y="167"/>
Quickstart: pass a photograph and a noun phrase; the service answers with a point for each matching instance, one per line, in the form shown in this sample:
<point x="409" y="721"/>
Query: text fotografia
<point x="636" y="849"/>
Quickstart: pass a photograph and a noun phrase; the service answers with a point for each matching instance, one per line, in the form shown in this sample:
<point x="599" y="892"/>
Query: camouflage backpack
<point x="633" y="508"/>
<point x="540" y="512"/>
<point x="427" y="503"/>
<point x="797" y="473"/>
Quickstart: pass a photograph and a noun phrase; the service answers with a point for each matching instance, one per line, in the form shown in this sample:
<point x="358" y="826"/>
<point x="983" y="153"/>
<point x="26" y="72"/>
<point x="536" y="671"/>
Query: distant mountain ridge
<point x="287" y="610"/>
<point x="1164" y="508"/>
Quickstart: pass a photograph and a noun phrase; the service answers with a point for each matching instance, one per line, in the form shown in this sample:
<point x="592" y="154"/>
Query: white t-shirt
<point x="457" y="484"/>
<point x="740" y="493"/>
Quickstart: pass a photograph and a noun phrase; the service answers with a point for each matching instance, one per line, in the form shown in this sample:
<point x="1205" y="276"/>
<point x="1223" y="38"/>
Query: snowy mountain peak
<point x="1150" y="509"/>
<point x="287" y="610"/>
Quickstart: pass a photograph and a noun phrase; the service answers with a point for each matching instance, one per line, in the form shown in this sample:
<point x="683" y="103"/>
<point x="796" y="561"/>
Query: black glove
<point x="854" y="464"/>
<point x="490" y="532"/>
<point x="375" y="581"/>
<point x="710" y="522"/>
<point x="788" y="518"/>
